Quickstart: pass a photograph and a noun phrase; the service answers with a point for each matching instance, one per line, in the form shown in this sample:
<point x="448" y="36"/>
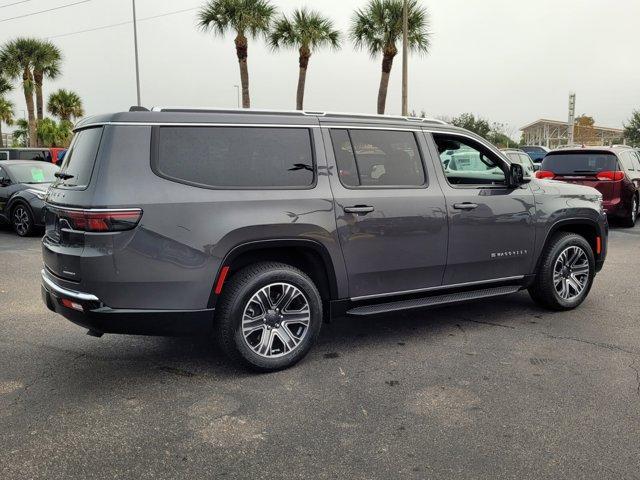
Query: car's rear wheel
<point x="269" y="316"/>
<point x="22" y="220"/>
<point x="631" y="218"/>
<point x="566" y="273"/>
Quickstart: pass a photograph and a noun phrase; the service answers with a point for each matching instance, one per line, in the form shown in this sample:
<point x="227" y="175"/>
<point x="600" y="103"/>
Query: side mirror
<point x="516" y="175"/>
<point x="536" y="167"/>
<point x="4" y="182"/>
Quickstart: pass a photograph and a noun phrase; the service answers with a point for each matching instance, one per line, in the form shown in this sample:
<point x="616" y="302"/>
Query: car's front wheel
<point x="269" y="316"/>
<point x="566" y="273"/>
<point x="22" y="220"/>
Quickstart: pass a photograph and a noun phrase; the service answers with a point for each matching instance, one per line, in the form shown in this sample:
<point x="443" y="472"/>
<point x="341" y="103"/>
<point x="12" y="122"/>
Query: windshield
<point x="33" y="172"/>
<point x="580" y="163"/>
<point x="80" y="158"/>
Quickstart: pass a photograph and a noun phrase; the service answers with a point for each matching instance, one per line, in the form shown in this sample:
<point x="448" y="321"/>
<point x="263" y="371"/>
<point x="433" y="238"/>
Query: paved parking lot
<point x="498" y="388"/>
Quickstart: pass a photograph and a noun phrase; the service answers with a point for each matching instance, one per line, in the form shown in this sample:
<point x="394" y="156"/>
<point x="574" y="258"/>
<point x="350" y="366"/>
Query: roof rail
<point x="308" y="113"/>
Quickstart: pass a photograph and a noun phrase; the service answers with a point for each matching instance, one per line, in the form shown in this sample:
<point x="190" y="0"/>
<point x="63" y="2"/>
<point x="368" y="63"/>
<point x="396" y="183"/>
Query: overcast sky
<point x="511" y="61"/>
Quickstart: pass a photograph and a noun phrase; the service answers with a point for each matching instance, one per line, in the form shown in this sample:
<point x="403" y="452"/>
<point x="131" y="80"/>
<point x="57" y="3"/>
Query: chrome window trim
<point x="198" y="124"/>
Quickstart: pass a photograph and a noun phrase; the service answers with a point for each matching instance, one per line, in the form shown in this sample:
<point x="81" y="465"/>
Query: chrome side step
<point x="433" y="300"/>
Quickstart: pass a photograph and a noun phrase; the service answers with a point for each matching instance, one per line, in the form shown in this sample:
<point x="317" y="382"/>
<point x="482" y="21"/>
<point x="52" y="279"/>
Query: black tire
<point x="543" y="290"/>
<point x="22" y="219"/>
<point x="630" y="220"/>
<point x="235" y="299"/>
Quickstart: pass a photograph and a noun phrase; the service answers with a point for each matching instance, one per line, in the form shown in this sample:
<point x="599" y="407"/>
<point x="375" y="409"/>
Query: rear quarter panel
<point x="171" y="259"/>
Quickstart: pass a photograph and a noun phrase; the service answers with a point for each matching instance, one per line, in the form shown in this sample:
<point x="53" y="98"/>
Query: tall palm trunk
<point x="387" y="64"/>
<point x="1" y="141"/>
<point x="27" y="85"/>
<point x="305" y="54"/>
<point x="37" y="80"/>
<point x="242" y="49"/>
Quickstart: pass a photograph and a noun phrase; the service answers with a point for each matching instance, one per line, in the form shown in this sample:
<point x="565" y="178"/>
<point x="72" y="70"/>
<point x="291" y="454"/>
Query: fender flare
<point x="314" y="245"/>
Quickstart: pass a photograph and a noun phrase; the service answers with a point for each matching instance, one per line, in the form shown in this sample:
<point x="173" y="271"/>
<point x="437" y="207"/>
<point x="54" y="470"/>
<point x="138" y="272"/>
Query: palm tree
<point x="54" y="134"/>
<point x="5" y="85"/>
<point x="6" y="115"/>
<point x="21" y="133"/>
<point x="17" y="58"/>
<point x="244" y="17"/>
<point x="46" y="64"/>
<point x="65" y="105"/>
<point x="378" y="28"/>
<point x="307" y="31"/>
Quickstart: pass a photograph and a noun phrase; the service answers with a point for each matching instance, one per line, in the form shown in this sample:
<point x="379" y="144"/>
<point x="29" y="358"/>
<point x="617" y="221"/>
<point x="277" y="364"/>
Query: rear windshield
<point x="29" y="172"/>
<point x="243" y="157"/>
<point x="78" y="163"/>
<point x="568" y="163"/>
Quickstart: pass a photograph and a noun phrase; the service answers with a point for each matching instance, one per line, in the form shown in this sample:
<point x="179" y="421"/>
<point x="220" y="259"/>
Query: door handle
<point x="465" y="206"/>
<point x="359" y="209"/>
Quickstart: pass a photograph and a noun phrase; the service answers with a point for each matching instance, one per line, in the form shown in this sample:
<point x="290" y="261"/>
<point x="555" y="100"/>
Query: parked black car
<point x="536" y="152"/>
<point x="23" y="186"/>
<point x="257" y="225"/>
<point x="39" y="154"/>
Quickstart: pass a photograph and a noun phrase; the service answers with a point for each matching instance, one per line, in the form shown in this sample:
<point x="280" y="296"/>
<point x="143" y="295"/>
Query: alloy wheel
<point x="571" y="272"/>
<point x="275" y="320"/>
<point x="21" y="221"/>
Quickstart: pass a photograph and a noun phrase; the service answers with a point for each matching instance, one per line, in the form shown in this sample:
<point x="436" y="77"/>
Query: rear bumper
<point x="96" y="316"/>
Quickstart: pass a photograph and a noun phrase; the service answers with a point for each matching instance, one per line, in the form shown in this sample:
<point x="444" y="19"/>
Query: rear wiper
<point x="63" y="176"/>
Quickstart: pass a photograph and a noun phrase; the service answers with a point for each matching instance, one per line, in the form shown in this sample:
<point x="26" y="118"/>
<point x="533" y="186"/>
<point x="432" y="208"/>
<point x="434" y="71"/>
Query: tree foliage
<point x="377" y="28"/>
<point x="470" y="122"/>
<point x="632" y="129"/>
<point x="583" y="131"/>
<point x="54" y="134"/>
<point x="65" y="104"/>
<point x="307" y="31"/>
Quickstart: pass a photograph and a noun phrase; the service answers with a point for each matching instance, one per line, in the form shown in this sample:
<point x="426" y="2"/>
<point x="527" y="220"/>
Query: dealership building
<point x="553" y="134"/>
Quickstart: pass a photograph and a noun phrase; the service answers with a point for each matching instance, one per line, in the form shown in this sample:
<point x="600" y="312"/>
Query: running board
<point x="433" y="301"/>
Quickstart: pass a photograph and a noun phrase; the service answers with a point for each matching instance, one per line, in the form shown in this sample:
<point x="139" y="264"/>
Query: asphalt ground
<point x="491" y="389"/>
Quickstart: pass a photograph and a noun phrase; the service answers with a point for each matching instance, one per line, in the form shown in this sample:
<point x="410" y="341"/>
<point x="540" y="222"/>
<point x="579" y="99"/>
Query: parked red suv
<point x="613" y="171"/>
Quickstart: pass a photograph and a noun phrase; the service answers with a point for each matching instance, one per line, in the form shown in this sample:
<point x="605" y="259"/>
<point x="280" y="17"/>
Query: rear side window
<point x="40" y="155"/>
<point x="568" y="163"/>
<point x="4" y="155"/>
<point x="78" y="163"/>
<point x="236" y="157"/>
<point x="378" y="158"/>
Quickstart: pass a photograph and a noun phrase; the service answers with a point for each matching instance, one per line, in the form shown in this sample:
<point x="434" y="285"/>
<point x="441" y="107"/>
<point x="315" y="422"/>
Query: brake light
<point x="99" y="220"/>
<point x="545" y="174"/>
<point x="613" y="176"/>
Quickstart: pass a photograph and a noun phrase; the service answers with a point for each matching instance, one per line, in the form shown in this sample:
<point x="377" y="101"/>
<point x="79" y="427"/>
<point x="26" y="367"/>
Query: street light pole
<point x="405" y="59"/>
<point x="135" y="45"/>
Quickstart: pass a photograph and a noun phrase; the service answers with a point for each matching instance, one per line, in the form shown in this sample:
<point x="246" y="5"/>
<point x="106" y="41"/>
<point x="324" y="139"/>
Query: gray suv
<point x="256" y="226"/>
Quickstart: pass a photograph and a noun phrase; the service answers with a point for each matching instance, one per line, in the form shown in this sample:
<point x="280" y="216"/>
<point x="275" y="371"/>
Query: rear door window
<point x="627" y="160"/>
<point x="236" y="157"/>
<point x="580" y="163"/>
<point x="378" y="158"/>
<point x="78" y="164"/>
<point x="4" y="155"/>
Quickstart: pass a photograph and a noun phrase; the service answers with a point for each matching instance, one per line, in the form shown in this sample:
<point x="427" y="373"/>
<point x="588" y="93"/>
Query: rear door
<point x="491" y="225"/>
<point x="390" y="212"/>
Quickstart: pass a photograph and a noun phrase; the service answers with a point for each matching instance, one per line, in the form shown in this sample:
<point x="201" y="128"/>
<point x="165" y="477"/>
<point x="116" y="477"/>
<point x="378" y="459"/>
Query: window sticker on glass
<point x="37" y="175"/>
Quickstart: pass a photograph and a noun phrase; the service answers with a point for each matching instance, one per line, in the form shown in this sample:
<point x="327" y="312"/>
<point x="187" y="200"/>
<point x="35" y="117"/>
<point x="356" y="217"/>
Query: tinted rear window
<point x="40" y="155"/>
<point x="243" y="157"/>
<point x="81" y="158"/>
<point x="568" y="163"/>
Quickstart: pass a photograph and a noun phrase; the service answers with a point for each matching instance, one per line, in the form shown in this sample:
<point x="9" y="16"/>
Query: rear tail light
<point x="613" y="176"/>
<point x="71" y="304"/>
<point x="99" y="220"/>
<point x="545" y="174"/>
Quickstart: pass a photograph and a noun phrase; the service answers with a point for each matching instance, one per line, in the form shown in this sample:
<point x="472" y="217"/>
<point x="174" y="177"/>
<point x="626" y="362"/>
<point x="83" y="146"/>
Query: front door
<point x="491" y="225"/>
<point x="390" y="212"/>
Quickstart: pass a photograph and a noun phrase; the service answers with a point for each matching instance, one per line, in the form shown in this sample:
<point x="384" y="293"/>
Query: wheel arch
<point x="585" y="227"/>
<point x="309" y="255"/>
